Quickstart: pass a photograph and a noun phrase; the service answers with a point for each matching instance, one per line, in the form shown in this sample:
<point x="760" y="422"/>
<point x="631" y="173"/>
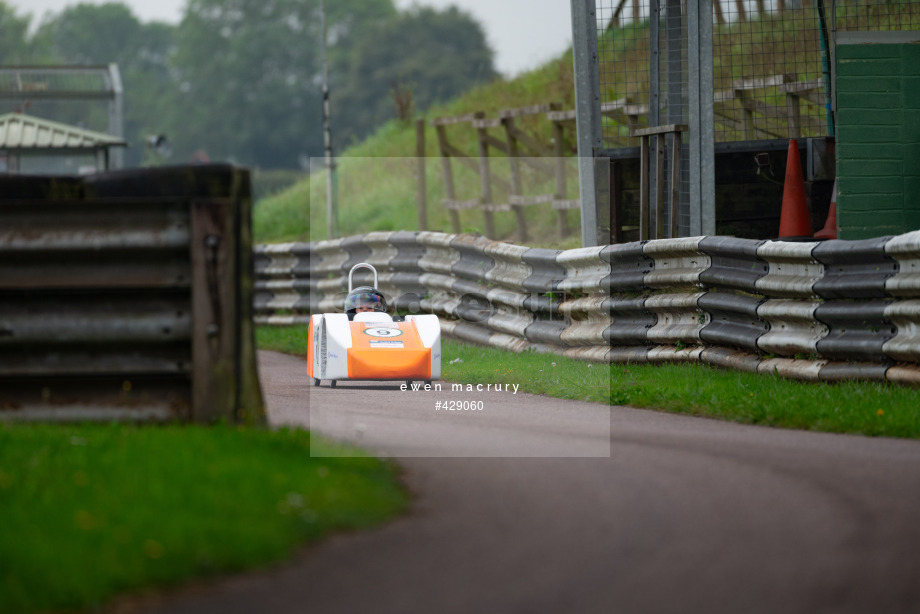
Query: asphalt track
<point x="685" y="515"/>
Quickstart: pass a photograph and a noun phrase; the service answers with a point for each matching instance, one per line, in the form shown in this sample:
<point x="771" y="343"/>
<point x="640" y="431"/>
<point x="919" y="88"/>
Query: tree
<point x="250" y="75"/>
<point x="15" y="45"/>
<point x="435" y="55"/>
<point x="241" y="79"/>
<point x="88" y="34"/>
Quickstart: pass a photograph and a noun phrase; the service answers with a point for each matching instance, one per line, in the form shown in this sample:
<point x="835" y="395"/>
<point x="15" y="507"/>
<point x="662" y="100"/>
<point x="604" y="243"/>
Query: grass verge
<point x="868" y="408"/>
<point x="288" y="339"/>
<point x="91" y="511"/>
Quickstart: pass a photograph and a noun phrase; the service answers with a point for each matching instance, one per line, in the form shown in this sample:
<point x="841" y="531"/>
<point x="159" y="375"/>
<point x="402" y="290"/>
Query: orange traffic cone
<point x="830" y="226"/>
<point x="794" y="220"/>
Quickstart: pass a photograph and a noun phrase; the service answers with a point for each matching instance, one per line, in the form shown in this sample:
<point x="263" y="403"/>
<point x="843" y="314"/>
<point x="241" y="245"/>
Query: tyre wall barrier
<point x="830" y="310"/>
<point x="128" y="295"/>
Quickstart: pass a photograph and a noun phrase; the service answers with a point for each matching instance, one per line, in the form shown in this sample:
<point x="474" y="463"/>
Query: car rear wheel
<point x="315" y="382"/>
<point x="332" y="383"/>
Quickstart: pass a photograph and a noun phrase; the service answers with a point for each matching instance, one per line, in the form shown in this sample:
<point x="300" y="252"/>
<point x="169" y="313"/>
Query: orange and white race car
<point x="366" y="343"/>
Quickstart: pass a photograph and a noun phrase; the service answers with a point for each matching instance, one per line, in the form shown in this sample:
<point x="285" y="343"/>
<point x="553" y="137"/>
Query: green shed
<point x="878" y="133"/>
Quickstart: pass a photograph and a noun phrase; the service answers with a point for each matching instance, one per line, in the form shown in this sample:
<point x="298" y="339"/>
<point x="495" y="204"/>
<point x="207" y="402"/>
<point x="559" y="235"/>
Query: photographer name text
<point x="436" y="387"/>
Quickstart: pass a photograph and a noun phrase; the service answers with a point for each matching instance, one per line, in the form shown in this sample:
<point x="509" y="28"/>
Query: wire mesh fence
<point x="623" y="62"/>
<point x="643" y="75"/>
<point x="768" y="72"/>
<point x="77" y="95"/>
<point x="771" y="63"/>
<point x="772" y="79"/>
<point x="877" y="15"/>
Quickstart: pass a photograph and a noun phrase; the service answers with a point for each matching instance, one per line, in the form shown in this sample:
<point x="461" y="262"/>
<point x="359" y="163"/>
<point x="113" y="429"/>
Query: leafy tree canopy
<point x="423" y="55"/>
<point x="241" y="79"/>
<point x="89" y="34"/>
<point x="16" y="47"/>
<point x="251" y="73"/>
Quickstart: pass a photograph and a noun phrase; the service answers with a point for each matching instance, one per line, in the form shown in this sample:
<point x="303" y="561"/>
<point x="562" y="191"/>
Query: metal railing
<point x="822" y="310"/>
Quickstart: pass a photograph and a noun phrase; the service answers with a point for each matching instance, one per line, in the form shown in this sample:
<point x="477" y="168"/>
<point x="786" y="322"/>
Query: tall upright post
<point x="332" y="222"/>
<point x="587" y="112"/>
<point x="702" y="131"/>
<point x="562" y="219"/>
<point x="422" y="179"/>
<point x="655" y="98"/>
<point x="450" y="192"/>
<point x="516" y="185"/>
<point x="485" y="180"/>
<point x="116" y="116"/>
<point x="674" y="93"/>
<point x="826" y="66"/>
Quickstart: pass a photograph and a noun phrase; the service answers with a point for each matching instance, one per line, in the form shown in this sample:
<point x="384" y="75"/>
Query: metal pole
<point x="587" y="112"/>
<point x="332" y="222"/>
<point x="825" y="66"/>
<point x="832" y="53"/>
<point x="675" y="95"/>
<point x="702" y="130"/>
<point x="674" y="61"/>
<point x="654" y="107"/>
<point x="422" y="194"/>
<point x="117" y="115"/>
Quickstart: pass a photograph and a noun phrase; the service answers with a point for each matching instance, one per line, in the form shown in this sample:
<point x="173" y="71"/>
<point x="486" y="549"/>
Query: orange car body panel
<point x="387" y="351"/>
<point x="310" y="350"/>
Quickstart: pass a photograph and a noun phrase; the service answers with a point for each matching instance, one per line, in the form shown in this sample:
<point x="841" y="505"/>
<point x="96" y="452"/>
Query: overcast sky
<point x="523" y="33"/>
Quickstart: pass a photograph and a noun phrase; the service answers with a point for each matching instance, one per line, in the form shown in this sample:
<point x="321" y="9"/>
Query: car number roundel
<point x="383" y="332"/>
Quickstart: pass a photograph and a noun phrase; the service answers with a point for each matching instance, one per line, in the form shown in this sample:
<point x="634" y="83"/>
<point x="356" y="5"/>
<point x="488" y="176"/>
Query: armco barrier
<point x="128" y="295"/>
<point x="828" y="311"/>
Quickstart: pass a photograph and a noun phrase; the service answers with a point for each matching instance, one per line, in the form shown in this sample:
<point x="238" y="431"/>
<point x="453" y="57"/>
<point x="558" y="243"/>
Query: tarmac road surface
<point x="685" y="515"/>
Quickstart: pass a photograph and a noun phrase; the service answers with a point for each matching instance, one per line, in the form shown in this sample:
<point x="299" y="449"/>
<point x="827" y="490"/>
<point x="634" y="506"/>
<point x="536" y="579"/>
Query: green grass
<point x="377" y="180"/>
<point x="868" y="408"/>
<point x="288" y="339"/>
<point x="91" y="511"/>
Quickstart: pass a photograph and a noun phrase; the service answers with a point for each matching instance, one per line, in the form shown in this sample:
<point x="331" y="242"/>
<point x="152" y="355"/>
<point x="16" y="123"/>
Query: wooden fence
<point x="741" y="109"/>
<point x="739" y="8"/>
<point x="520" y="148"/>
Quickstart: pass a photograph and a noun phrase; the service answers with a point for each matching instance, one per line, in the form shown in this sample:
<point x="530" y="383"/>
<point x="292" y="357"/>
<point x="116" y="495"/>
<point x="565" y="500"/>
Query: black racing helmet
<point x="365" y="296"/>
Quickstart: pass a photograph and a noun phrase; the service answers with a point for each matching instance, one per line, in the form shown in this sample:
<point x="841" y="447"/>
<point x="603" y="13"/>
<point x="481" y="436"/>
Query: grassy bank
<point x="88" y="512"/>
<point x="378" y="177"/>
<point x="867" y="408"/>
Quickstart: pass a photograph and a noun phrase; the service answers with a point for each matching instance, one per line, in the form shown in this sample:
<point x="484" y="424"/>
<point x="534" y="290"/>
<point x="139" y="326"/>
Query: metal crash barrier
<point x="815" y="311"/>
<point x="128" y="296"/>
